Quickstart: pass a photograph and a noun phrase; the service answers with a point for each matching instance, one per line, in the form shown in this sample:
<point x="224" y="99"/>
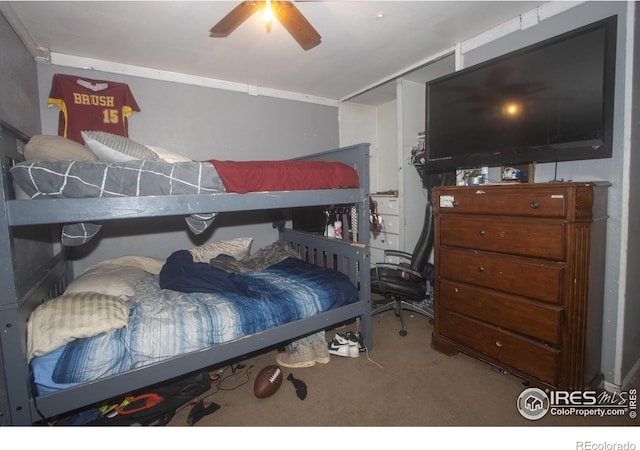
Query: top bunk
<point x="20" y="210"/>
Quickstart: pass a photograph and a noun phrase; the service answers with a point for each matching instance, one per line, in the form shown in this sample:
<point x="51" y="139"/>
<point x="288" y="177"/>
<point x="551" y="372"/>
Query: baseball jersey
<point x="91" y="105"/>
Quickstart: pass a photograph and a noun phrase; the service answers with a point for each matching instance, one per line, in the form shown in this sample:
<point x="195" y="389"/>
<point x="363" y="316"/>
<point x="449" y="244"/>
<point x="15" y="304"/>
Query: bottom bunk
<point x="86" y="371"/>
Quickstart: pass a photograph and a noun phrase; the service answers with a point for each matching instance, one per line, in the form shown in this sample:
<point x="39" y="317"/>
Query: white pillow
<point x="168" y="155"/>
<point x="111" y="279"/>
<point x="73" y="316"/>
<point x="238" y="248"/>
<point x="114" y="148"/>
<point x="146" y="263"/>
<point x="55" y="148"/>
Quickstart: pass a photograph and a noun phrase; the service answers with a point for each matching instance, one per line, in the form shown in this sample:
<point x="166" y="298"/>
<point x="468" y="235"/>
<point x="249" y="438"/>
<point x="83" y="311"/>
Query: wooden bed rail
<point x="330" y="253"/>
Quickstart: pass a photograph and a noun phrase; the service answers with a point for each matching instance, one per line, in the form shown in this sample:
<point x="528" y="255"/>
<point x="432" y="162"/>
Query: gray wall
<point x="18" y="107"/>
<point x="18" y="83"/>
<point x="621" y="307"/>
<point x="201" y="123"/>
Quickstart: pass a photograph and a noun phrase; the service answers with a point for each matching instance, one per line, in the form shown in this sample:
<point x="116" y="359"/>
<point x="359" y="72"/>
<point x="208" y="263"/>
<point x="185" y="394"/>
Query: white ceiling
<point x="359" y="48"/>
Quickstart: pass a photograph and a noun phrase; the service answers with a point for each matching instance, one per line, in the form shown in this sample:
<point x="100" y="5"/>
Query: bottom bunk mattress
<point x="163" y="323"/>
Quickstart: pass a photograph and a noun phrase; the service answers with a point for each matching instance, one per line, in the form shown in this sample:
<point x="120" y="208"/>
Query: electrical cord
<point x="370" y="359"/>
<point x="235" y="371"/>
<point x="361" y="341"/>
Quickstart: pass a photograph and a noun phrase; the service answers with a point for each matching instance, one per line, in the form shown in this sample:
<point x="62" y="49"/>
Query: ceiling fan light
<point x="268" y="13"/>
<point x="286" y="13"/>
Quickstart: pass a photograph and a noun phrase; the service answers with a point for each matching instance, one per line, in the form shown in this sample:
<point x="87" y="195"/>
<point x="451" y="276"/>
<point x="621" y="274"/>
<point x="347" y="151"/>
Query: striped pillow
<point x="73" y="316"/>
<point x="114" y="148"/>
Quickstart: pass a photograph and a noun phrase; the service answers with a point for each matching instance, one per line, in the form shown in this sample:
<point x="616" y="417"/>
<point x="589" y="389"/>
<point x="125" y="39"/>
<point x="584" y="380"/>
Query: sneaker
<point x="358" y="339"/>
<point x="299" y="354"/>
<point x="341" y="346"/>
<point x="320" y="350"/>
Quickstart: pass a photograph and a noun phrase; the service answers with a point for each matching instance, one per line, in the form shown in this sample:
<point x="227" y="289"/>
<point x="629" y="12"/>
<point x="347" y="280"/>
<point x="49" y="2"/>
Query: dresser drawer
<point x="526" y="238"/>
<point x="536" y="359"/>
<point x="390" y="224"/>
<point x="387" y="204"/>
<point x="520" y="276"/>
<point x="385" y="241"/>
<point x="537" y="320"/>
<point x="487" y="200"/>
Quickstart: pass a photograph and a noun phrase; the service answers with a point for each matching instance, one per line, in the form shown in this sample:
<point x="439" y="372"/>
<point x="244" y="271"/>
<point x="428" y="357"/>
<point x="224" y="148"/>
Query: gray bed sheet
<point x="81" y="179"/>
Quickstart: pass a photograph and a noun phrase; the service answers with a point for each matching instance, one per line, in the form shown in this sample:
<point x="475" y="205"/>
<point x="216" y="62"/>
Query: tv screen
<point x="552" y="101"/>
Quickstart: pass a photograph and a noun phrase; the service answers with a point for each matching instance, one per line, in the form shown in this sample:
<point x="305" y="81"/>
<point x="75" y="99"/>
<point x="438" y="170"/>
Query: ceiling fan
<point x="284" y="11"/>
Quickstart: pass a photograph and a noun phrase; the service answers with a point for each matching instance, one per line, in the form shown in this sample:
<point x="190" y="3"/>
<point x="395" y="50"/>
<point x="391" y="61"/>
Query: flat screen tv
<point x="551" y="101"/>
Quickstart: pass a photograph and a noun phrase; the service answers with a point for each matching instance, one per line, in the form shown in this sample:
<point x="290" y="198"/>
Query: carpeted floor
<point x="402" y="382"/>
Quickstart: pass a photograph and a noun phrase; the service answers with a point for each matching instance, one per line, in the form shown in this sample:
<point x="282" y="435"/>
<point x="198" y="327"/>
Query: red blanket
<point x="256" y="176"/>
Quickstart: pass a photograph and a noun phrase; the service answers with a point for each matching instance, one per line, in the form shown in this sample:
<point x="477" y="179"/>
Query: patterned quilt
<point x="165" y="323"/>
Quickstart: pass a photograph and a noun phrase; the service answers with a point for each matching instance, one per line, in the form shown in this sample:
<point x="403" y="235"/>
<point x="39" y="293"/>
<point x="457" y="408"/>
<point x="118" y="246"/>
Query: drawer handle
<point x="535" y="205"/>
<point x="498" y="344"/>
<point x="480" y="269"/>
<point x="482" y="232"/>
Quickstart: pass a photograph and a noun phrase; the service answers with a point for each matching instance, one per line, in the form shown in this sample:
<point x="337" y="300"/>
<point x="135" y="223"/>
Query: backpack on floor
<point x="156" y="406"/>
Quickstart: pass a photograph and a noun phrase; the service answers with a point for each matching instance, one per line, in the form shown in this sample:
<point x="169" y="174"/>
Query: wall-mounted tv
<point x="551" y="101"/>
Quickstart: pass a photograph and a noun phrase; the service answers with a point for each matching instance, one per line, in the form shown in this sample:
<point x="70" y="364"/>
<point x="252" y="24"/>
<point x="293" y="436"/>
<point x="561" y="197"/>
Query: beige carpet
<point x="402" y="382"/>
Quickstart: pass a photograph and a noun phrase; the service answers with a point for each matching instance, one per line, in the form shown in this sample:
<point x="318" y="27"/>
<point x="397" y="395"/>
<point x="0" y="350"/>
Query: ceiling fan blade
<point x="296" y="24"/>
<point x="233" y="20"/>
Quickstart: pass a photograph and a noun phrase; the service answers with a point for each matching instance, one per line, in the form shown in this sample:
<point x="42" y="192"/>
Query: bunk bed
<point x="36" y="269"/>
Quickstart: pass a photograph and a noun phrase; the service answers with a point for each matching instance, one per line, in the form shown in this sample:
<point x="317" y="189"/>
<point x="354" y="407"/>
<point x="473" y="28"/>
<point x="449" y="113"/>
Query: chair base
<point x="399" y="306"/>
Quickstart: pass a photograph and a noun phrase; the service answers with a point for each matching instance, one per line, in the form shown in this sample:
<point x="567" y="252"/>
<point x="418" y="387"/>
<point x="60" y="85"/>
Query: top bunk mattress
<point x="91" y="178"/>
<point x="111" y="165"/>
<point x="81" y="179"/>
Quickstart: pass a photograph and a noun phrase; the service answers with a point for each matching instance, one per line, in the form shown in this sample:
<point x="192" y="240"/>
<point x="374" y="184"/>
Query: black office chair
<point x="406" y="284"/>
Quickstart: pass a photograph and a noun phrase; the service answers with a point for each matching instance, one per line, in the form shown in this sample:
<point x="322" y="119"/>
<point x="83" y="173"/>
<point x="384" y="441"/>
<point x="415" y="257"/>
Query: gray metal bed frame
<point x="35" y="268"/>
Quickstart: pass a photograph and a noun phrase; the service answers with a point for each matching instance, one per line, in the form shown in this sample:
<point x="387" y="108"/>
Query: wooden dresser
<point x="520" y="278"/>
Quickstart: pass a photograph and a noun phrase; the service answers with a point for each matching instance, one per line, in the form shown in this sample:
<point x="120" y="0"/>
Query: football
<point x="267" y="381"/>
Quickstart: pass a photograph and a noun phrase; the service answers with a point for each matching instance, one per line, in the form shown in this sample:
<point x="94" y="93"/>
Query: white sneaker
<point x="357" y="338"/>
<point x="341" y="346"/>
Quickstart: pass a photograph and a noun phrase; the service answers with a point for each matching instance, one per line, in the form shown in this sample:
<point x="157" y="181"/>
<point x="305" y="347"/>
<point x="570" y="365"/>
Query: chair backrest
<point x="424" y="244"/>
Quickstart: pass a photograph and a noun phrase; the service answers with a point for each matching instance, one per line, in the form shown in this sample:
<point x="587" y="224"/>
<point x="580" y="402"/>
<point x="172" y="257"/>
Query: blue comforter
<point x="165" y="322"/>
